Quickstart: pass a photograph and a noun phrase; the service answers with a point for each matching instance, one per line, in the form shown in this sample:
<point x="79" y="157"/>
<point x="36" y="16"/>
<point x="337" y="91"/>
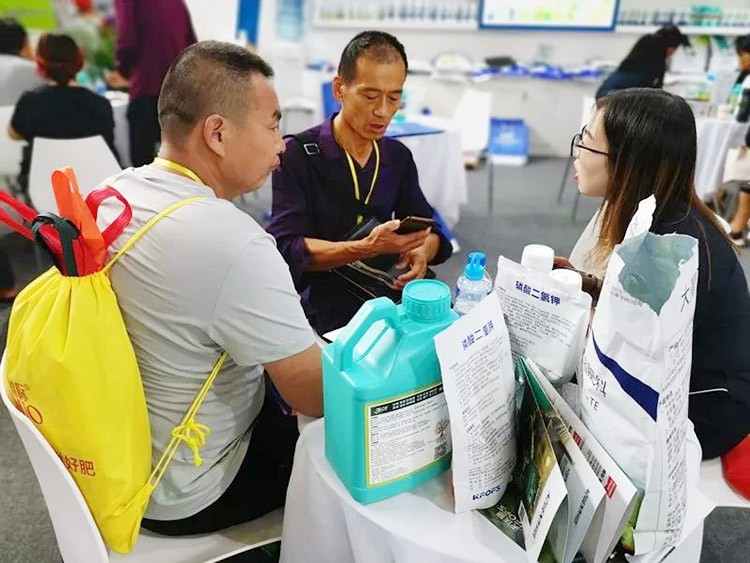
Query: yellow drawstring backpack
<point x="71" y="368"/>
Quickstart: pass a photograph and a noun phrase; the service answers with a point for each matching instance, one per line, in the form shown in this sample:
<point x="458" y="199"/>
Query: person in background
<point x="208" y="279"/>
<point x="738" y="223"/>
<point x="317" y="191"/>
<point x="17" y="75"/>
<point x="742" y="46"/>
<point x="60" y="109"/>
<point x="149" y="37"/>
<point x="642" y="142"/>
<point x="646" y="63"/>
<point x="17" y="69"/>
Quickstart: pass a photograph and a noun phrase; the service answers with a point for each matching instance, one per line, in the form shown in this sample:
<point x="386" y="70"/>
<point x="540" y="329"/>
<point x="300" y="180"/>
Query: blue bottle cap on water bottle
<point x="426" y="300"/>
<point x="474" y="269"/>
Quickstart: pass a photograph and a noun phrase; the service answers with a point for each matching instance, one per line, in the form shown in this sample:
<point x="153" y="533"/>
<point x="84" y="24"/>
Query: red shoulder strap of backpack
<point x="25" y="212"/>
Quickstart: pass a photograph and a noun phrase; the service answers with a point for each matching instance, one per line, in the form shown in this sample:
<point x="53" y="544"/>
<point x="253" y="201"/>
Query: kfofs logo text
<point x="486" y="493"/>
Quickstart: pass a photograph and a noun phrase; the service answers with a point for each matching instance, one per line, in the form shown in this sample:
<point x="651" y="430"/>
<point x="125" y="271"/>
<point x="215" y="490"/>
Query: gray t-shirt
<point x="17" y="75"/>
<point x="206" y="278"/>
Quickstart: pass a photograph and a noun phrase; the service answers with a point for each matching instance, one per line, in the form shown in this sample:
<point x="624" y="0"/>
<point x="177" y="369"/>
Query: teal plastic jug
<point x="386" y="420"/>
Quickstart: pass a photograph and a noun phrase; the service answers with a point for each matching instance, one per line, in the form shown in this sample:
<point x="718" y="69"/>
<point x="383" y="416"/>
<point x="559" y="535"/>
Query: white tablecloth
<point x="440" y="165"/>
<point x="323" y="523"/>
<point x="715" y="138"/>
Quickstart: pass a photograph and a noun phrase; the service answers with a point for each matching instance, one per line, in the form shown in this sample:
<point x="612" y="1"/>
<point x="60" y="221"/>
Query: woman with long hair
<point x="642" y="142"/>
<point x="60" y="109"/>
<point x="645" y="64"/>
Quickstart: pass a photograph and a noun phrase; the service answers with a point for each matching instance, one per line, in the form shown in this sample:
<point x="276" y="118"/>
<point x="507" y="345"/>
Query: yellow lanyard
<point x="174" y="167"/>
<point x="356" y="180"/>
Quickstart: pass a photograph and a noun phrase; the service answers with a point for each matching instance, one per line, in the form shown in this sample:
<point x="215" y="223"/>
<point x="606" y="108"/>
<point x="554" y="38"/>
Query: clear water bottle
<point x="473" y="285"/>
<point x="483" y="262"/>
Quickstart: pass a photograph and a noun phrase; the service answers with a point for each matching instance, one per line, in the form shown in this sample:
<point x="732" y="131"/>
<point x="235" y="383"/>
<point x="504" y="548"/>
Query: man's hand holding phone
<point x="385" y="239"/>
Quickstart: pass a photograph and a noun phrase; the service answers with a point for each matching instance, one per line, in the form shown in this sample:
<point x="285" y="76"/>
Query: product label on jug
<point x="406" y="434"/>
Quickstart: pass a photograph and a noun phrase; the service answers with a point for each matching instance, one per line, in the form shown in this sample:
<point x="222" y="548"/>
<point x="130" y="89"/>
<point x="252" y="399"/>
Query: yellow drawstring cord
<point x="194" y="435"/>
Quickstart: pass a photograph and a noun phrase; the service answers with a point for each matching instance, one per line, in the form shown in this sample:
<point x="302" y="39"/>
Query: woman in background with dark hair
<point x="60" y="109"/>
<point x="642" y="142"/>
<point x="646" y="63"/>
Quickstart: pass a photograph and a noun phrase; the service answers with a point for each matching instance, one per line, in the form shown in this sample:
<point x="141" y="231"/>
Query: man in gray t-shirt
<point x="17" y="68"/>
<point x="208" y="279"/>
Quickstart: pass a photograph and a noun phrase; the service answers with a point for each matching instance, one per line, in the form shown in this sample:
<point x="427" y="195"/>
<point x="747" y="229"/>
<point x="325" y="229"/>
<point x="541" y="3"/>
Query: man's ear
<point x="215" y="129"/>
<point x="338" y="88"/>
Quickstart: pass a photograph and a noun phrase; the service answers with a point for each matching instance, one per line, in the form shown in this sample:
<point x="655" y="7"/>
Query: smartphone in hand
<point x="413" y="224"/>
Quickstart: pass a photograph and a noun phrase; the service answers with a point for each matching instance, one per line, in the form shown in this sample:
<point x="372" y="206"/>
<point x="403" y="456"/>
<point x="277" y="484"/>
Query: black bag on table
<point x="373" y="277"/>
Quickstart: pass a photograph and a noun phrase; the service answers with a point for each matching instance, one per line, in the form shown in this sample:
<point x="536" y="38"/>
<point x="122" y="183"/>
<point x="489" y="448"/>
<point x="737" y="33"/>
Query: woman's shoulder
<point x="38" y="93"/>
<point x="716" y="251"/>
<point x="84" y="96"/>
<point x="83" y="92"/>
<point x="685" y="220"/>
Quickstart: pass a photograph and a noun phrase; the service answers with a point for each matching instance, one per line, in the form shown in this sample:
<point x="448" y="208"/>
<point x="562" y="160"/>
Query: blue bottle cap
<point x="426" y="300"/>
<point x="474" y="269"/>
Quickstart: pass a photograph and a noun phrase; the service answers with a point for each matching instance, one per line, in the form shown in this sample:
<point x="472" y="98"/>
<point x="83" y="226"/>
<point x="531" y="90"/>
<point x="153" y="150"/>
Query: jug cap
<point x="426" y="300"/>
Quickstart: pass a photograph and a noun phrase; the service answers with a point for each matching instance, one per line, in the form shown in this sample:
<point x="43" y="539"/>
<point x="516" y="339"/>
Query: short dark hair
<point x="742" y="44"/>
<point x="208" y="77"/>
<point x="381" y="46"/>
<point x="58" y="57"/>
<point x="12" y="36"/>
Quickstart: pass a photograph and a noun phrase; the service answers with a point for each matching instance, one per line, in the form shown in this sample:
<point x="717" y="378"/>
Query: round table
<point x="715" y="138"/>
<point x="322" y="522"/>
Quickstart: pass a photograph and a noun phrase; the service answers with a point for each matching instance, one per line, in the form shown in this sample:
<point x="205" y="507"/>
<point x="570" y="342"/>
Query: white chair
<point x="10" y="149"/>
<point x="90" y="157"/>
<point x="78" y="537"/>
<point x="588" y="108"/>
<point x="714" y="486"/>
<point x="299" y="115"/>
<point x="472" y="118"/>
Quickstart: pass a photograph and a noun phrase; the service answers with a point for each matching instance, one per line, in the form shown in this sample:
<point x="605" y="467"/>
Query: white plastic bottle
<point x="538" y="257"/>
<point x="473" y="285"/>
<point x="571" y="279"/>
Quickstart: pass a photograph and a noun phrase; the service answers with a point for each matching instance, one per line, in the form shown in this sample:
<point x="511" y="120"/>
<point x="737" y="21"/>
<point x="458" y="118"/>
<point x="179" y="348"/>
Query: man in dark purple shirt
<point x="149" y="37"/>
<point x="341" y="164"/>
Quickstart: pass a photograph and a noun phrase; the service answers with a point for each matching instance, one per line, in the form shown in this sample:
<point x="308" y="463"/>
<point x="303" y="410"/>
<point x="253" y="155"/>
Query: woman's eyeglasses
<point x="576" y="145"/>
